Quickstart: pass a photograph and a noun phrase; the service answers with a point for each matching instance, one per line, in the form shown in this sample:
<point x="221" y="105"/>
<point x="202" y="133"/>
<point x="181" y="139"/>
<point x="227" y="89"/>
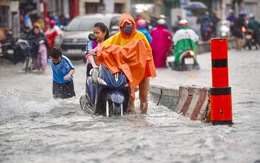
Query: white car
<point x="74" y="39"/>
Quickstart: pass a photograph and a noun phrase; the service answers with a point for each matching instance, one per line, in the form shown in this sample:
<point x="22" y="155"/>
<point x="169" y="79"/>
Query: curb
<point x="167" y="97"/>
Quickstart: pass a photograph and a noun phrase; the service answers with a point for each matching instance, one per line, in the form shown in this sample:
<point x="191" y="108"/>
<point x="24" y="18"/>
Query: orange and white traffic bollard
<point x="220" y="99"/>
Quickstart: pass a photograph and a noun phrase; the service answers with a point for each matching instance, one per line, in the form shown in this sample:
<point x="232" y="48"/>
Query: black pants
<point x="63" y="90"/>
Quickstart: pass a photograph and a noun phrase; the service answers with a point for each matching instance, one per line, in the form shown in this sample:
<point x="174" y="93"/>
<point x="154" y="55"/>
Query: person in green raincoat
<point x="254" y="26"/>
<point x="184" y="39"/>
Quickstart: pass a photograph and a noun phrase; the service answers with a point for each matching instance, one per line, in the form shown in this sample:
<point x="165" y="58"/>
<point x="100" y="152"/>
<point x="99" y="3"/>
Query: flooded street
<point x="34" y="127"/>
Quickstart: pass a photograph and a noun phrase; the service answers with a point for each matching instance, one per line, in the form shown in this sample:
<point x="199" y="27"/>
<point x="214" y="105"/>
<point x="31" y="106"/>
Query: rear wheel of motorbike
<point x="118" y="109"/>
<point x="188" y="67"/>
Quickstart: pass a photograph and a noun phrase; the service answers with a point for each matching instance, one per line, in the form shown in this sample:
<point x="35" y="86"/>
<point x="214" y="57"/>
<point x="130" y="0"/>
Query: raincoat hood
<point x="127" y="18"/>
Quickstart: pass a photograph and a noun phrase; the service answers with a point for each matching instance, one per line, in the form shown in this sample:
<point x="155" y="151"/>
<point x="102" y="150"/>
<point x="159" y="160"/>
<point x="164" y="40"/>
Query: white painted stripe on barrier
<point x="193" y="102"/>
<point x="204" y="109"/>
<point x="183" y="94"/>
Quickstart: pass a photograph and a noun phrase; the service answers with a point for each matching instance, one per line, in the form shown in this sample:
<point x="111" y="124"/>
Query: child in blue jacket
<point x="62" y="68"/>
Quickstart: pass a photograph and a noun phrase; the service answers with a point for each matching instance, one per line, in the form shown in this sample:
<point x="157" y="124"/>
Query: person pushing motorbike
<point x="184" y="39"/>
<point x="129" y="51"/>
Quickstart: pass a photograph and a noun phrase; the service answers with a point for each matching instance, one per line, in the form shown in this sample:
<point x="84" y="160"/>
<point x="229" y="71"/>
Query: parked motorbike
<point x="187" y="62"/>
<point x="7" y="46"/>
<point x="14" y="48"/>
<point x="22" y="54"/>
<point x="106" y="93"/>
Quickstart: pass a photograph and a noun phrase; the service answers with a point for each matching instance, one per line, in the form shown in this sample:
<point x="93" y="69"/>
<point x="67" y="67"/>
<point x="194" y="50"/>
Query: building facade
<point x="150" y="8"/>
<point x="103" y="6"/>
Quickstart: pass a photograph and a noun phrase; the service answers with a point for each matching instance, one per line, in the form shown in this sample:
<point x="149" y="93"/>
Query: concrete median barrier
<point x="164" y="96"/>
<point x="190" y="101"/>
<point x="193" y="103"/>
<point x="204" y="46"/>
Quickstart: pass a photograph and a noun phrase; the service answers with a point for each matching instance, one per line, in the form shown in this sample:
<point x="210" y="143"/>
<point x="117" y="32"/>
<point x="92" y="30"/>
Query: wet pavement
<point x="36" y="128"/>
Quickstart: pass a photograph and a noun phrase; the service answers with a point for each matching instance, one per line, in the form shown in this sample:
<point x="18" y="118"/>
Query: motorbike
<point x="22" y="54"/>
<point x="7" y="46"/>
<point x="249" y="39"/>
<point x="187" y="62"/>
<point x="224" y="28"/>
<point x="106" y="93"/>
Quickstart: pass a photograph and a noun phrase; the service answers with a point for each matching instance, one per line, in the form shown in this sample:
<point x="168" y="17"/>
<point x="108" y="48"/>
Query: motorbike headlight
<point x="192" y="53"/>
<point x="243" y="29"/>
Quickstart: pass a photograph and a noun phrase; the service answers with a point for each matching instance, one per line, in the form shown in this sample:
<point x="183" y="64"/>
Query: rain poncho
<point x="130" y="53"/>
<point x="184" y="39"/>
<point x="162" y="41"/>
<point x="254" y="25"/>
<point x="52" y="33"/>
<point x="22" y="50"/>
<point x="146" y="33"/>
<point x="34" y="40"/>
<point x="239" y="23"/>
<point x="41" y="61"/>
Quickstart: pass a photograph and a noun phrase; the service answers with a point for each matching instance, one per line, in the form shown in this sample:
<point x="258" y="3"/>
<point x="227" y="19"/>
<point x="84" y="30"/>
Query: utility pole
<point x="158" y="7"/>
<point x="15" y="15"/>
<point x="223" y="14"/>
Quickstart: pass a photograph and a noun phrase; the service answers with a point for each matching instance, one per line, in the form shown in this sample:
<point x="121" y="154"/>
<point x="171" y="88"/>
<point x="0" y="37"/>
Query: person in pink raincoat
<point x="161" y="43"/>
<point x="52" y="32"/>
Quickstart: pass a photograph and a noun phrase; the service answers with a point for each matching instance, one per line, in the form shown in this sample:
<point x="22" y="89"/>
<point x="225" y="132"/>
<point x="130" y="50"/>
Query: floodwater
<point x="34" y="127"/>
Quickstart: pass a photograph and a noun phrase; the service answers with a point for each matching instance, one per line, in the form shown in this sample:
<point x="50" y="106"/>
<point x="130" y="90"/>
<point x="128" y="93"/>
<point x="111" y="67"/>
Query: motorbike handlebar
<point x="87" y="53"/>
